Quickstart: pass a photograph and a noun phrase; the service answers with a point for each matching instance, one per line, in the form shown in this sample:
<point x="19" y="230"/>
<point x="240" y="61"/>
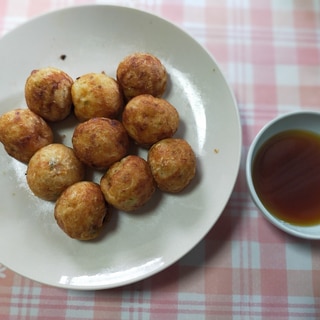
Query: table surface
<point x="244" y="268"/>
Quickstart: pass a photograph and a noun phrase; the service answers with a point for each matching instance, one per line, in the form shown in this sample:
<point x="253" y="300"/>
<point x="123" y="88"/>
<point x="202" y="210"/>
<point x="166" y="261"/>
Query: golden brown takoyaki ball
<point x="48" y="93"/>
<point x="96" y="95"/>
<point x="148" y="119"/>
<point x="22" y="133"/>
<point x="52" y="169"/>
<point x="128" y="184"/>
<point x="99" y="142"/>
<point x="81" y="211"/>
<point x="173" y="164"/>
<point x="142" y="73"/>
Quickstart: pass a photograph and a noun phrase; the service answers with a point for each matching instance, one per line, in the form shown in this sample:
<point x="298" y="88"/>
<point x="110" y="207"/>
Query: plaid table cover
<point x="244" y="268"/>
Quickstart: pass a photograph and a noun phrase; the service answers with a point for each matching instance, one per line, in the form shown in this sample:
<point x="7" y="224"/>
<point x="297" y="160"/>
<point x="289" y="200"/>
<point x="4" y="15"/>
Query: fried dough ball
<point x="81" y="211"/>
<point x="128" y="184"/>
<point x="99" y="142"/>
<point x="52" y="169"/>
<point x="173" y="164"/>
<point x="22" y="133"/>
<point x="148" y="119"/>
<point x="96" y="95"/>
<point x="48" y="93"/>
<point x="142" y="73"/>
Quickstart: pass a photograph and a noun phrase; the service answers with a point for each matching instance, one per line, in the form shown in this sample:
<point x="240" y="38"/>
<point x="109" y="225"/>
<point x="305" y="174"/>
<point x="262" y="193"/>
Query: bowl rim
<point x="298" y="231"/>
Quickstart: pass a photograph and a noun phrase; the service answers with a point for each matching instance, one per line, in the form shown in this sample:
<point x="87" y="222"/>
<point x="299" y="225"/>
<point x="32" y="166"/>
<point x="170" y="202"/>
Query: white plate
<point x="134" y="246"/>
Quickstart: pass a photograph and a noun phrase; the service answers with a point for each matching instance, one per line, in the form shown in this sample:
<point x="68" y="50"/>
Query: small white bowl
<point x="301" y="120"/>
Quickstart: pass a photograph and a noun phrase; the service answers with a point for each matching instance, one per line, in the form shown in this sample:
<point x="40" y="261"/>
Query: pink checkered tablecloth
<point x="244" y="268"/>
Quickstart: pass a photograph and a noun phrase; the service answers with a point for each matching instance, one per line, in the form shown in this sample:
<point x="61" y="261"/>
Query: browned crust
<point x="148" y="119"/>
<point x="48" y="93"/>
<point x="128" y="184"/>
<point x="142" y="73"/>
<point x="96" y="95"/>
<point x="173" y="164"/>
<point x="99" y="142"/>
<point x="81" y="211"/>
<point x="22" y="132"/>
<point x="52" y="169"/>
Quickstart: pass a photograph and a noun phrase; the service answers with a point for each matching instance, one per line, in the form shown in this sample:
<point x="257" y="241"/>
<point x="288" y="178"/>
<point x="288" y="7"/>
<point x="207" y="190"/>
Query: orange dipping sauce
<point x="286" y="176"/>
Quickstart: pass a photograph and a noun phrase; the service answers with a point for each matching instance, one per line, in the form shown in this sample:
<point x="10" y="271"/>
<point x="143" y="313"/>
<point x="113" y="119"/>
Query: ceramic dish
<point x="301" y="120"/>
<point x="94" y="39"/>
